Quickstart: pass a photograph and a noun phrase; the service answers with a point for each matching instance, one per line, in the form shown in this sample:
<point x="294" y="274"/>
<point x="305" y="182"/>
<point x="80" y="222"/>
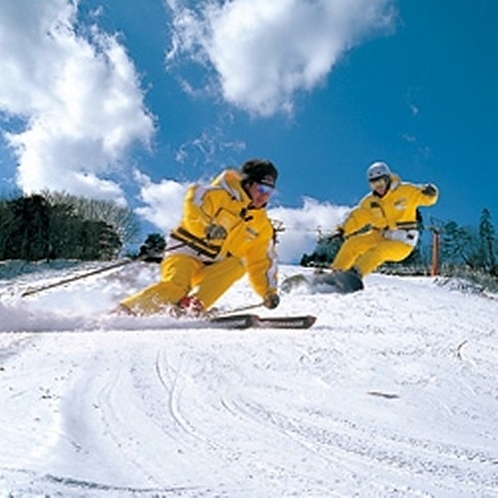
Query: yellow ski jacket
<point x="250" y="234"/>
<point x="396" y="210"/>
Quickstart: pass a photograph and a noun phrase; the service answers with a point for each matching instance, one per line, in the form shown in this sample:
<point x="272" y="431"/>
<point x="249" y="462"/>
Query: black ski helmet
<point x="259" y="171"/>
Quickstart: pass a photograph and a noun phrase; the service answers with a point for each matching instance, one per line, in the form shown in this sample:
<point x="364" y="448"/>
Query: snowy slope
<point x="393" y="392"/>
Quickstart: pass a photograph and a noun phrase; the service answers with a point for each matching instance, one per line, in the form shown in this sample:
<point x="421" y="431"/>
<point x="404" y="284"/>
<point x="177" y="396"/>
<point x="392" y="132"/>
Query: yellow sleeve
<point x="198" y="210"/>
<point x="261" y="264"/>
<point x="368" y="213"/>
<point x="357" y="219"/>
<point x="424" y="199"/>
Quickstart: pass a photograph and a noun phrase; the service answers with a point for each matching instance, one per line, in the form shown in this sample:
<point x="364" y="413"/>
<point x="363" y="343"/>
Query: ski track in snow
<point x="392" y="393"/>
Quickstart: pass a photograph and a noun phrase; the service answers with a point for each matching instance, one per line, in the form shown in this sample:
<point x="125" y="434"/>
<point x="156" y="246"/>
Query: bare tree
<point x="122" y="219"/>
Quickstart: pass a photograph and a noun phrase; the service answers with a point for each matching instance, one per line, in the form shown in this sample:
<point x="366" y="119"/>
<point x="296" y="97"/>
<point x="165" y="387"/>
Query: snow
<point x="391" y="393"/>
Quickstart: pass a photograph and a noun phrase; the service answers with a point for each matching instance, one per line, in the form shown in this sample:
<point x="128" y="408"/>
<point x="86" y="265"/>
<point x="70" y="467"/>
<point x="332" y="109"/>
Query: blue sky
<point x="133" y="100"/>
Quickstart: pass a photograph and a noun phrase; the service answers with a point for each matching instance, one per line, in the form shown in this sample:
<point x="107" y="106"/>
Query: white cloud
<point x="205" y="148"/>
<point x="79" y="98"/>
<point x="266" y="52"/>
<point x="303" y="226"/>
<point x="162" y="201"/>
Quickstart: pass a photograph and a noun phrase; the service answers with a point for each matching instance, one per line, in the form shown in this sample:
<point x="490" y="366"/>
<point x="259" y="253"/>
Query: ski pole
<point x="68" y="280"/>
<point x="242" y="308"/>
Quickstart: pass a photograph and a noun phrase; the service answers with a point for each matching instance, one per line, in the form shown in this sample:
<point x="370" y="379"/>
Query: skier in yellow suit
<point x="383" y="227"/>
<point x="225" y="232"/>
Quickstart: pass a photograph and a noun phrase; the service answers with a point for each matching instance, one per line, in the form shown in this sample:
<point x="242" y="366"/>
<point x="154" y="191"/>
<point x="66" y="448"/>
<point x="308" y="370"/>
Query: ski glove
<point x="214" y="232"/>
<point x="338" y="234"/>
<point x="271" y="300"/>
<point x="429" y="190"/>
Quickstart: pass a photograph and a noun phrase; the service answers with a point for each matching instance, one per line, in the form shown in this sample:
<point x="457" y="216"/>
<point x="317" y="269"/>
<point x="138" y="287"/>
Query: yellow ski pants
<point x="180" y="274"/>
<point x="367" y="251"/>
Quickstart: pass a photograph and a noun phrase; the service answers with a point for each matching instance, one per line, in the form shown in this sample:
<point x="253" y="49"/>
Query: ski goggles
<point x="264" y="189"/>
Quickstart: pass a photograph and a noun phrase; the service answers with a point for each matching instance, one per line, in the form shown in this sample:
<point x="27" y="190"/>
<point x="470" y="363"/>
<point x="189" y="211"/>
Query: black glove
<point x="214" y="232"/>
<point x="271" y="300"/>
<point x="429" y="190"/>
<point x="338" y="234"/>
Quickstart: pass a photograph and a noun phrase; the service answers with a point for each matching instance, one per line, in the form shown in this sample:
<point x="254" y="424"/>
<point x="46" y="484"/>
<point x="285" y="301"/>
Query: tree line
<point x="62" y="226"/>
<point x="55" y="225"/>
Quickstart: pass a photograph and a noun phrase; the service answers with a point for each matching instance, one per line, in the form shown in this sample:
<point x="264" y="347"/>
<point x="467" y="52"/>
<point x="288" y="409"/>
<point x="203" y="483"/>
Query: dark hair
<point x="259" y="171"/>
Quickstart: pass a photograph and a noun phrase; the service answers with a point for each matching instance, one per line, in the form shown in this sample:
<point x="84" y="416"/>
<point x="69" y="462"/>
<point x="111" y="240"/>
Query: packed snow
<point x="392" y="393"/>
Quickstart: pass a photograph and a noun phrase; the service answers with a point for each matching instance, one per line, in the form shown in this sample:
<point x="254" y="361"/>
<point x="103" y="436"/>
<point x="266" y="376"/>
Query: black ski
<point x="245" y="321"/>
<point x="340" y="282"/>
<point x="287" y="322"/>
<point x="344" y="281"/>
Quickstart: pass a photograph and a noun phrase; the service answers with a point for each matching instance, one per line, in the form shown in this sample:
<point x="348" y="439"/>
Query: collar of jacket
<point x="395" y="183"/>
<point x="230" y="180"/>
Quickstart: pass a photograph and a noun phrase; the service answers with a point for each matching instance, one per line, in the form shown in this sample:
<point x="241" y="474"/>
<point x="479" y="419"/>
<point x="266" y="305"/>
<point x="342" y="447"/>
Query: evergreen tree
<point x="460" y="245"/>
<point x="6" y="224"/>
<point x="32" y="228"/>
<point x="27" y="230"/>
<point x="153" y="248"/>
<point x="486" y="242"/>
<point x="324" y="253"/>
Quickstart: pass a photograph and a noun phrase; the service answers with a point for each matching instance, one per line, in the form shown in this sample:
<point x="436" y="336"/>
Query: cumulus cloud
<point x="162" y="201"/>
<point x="77" y="96"/>
<point x="303" y="225"/>
<point x="265" y="52"/>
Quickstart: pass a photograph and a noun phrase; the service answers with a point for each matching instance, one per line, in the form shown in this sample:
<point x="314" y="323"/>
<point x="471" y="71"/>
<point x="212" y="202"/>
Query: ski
<point x="287" y="322"/>
<point x="340" y="282"/>
<point x="345" y="282"/>
<point x="245" y="321"/>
